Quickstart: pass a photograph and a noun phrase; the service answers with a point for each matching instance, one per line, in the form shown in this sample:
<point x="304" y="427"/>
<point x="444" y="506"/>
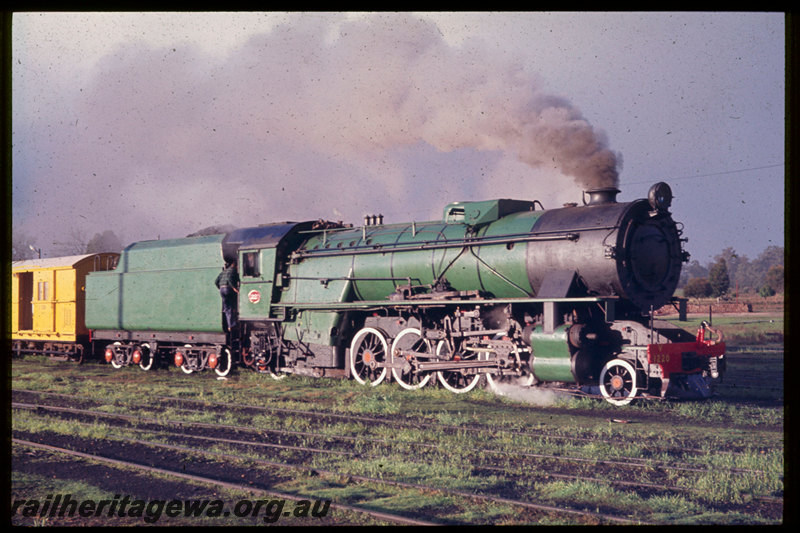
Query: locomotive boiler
<point x="502" y="289"/>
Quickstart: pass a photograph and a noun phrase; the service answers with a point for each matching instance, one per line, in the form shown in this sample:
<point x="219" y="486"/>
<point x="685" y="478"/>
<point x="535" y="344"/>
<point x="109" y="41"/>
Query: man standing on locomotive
<point x="228" y="284"/>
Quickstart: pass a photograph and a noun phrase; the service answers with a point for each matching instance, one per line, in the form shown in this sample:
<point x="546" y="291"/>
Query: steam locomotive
<point x="501" y="290"/>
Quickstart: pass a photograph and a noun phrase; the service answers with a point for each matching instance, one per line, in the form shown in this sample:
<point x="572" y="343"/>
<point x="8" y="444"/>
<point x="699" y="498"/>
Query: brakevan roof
<point x="49" y="262"/>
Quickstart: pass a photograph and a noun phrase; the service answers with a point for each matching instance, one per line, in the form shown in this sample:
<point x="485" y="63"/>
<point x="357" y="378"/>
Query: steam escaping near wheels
<point x="519" y="392"/>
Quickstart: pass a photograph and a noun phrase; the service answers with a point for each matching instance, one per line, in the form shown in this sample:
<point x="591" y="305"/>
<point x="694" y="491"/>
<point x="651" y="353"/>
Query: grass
<point x="35" y="487"/>
<point x="653" y="429"/>
<point x="29" y="487"/>
<point x="741" y="329"/>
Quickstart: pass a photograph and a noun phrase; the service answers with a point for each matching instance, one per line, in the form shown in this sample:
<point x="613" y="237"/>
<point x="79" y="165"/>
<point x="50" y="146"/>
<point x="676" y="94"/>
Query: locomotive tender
<point x="502" y="289"/>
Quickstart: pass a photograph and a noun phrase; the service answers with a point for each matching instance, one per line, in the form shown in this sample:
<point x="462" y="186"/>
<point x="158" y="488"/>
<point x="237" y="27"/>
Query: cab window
<point x="250" y="266"/>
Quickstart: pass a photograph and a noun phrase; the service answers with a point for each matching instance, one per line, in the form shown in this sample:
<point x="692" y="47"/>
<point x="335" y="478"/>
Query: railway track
<point x="201" y="406"/>
<point x="512" y="465"/>
<point x="539" y="508"/>
<point x="506" y="470"/>
<point x="614" y="463"/>
<point x="365" y="448"/>
<point x="387" y="517"/>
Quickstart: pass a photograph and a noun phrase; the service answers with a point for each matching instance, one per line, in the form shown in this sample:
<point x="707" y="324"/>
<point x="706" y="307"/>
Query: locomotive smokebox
<point x="601" y="195"/>
<point x="625" y="249"/>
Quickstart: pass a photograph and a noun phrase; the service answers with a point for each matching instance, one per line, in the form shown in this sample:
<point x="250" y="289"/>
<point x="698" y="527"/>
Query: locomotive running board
<point x="370" y="304"/>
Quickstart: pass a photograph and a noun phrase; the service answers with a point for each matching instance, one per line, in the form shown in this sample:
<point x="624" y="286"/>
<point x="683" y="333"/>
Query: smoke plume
<point x="321" y="117"/>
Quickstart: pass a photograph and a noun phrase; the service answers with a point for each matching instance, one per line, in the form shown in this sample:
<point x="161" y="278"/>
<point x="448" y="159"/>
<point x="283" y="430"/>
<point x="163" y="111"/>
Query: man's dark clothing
<point x="227" y="281"/>
<point x="228" y="277"/>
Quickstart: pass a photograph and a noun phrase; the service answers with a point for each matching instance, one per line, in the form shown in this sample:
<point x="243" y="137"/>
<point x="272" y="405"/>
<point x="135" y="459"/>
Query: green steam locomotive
<point x="502" y="291"/>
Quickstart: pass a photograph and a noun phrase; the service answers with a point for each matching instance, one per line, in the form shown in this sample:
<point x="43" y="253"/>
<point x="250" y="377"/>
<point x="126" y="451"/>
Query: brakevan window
<point x="250" y="267"/>
<point x="42" y="286"/>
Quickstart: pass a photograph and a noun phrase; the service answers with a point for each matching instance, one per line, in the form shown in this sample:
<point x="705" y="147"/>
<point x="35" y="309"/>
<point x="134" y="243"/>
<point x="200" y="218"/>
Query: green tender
<point x="159" y="286"/>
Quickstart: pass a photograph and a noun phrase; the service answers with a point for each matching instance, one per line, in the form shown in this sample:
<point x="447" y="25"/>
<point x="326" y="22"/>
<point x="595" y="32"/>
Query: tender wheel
<point x="186" y="367"/>
<point x="368" y="349"/>
<point x="148" y="357"/>
<point x="455" y="381"/>
<point x="409" y="339"/>
<point x="114" y="362"/>
<point x="618" y="382"/>
<point x="224" y="362"/>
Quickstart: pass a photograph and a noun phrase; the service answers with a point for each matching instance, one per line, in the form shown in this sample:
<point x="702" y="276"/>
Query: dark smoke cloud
<point x="321" y="117"/>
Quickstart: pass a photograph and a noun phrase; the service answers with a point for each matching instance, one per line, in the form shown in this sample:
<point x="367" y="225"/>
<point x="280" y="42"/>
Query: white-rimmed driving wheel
<point x="409" y="339"/>
<point x="524" y="377"/>
<point x="455" y="380"/>
<point x="368" y="349"/>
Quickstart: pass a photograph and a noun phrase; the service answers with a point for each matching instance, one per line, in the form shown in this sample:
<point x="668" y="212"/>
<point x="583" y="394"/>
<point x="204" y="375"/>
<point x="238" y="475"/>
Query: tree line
<point x="24" y="246"/>
<point x="731" y="273"/>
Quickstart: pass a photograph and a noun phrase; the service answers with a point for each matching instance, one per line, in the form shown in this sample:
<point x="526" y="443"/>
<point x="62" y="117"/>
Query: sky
<point x="155" y="125"/>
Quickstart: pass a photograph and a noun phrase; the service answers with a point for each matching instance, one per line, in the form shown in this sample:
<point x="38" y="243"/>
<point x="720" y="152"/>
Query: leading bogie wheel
<point x="410" y="339"/>
<point x="369" y="349"/>
<point x="618" y="382"/>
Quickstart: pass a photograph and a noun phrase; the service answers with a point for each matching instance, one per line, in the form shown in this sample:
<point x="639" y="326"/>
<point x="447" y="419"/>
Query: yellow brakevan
<point x="47" y="303"/>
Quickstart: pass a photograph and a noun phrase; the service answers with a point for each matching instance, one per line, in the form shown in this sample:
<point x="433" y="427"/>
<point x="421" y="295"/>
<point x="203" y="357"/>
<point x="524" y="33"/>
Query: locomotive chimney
<point x="603" y="195"/>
